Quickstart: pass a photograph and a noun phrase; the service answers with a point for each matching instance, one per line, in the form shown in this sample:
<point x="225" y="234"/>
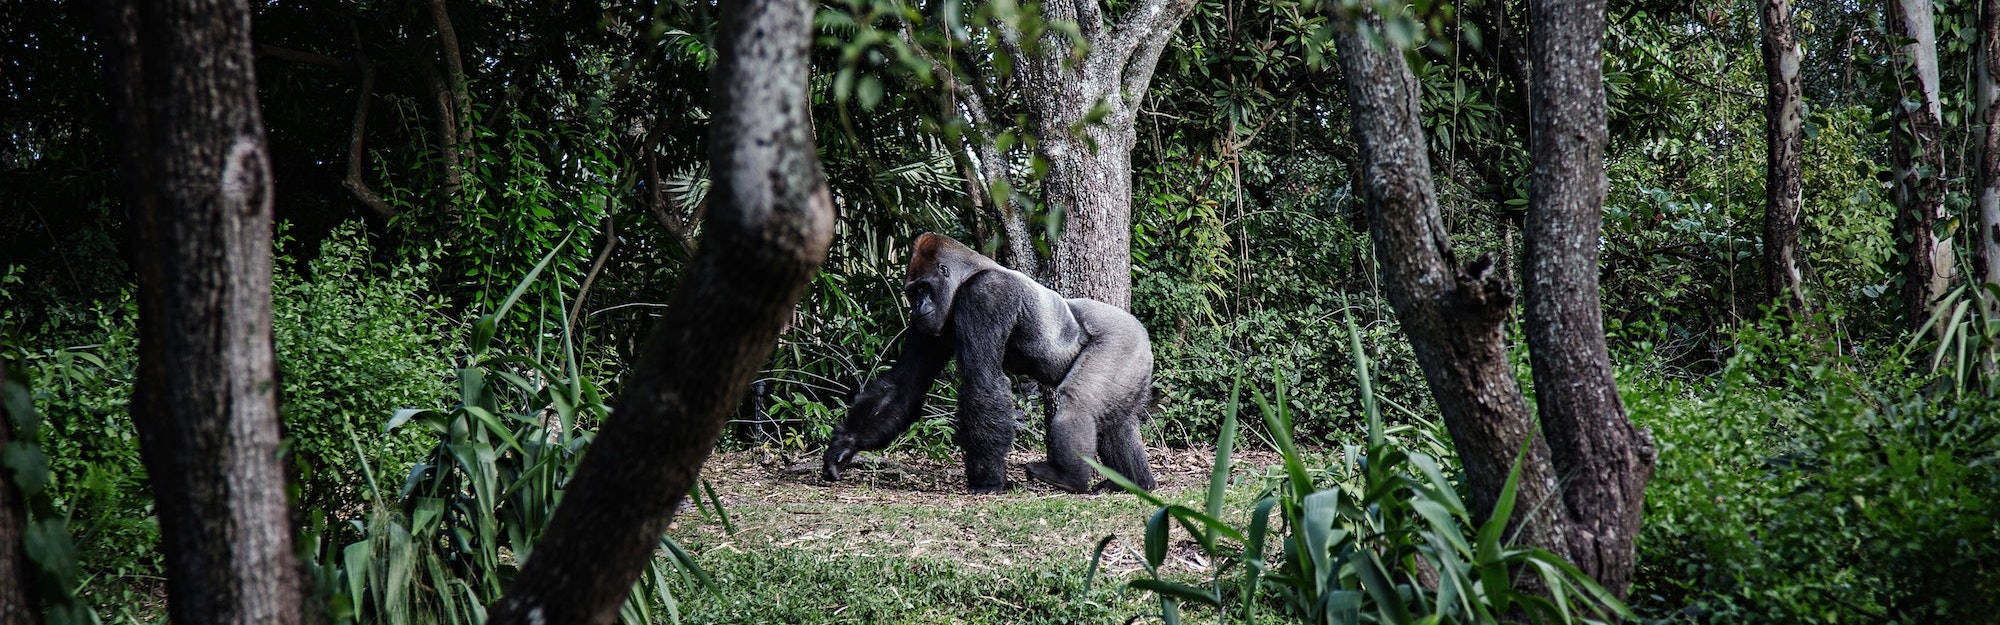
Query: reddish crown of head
<point x="925" y="253"/>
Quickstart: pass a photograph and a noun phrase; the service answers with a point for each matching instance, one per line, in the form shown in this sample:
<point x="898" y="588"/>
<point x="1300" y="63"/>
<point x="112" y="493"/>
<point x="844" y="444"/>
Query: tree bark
<point x="1917" y="156"/>
<point x="1090" y="164"/>
<point x="1784" y="168"/>
<point x="1987" y="248"/>
<point x="1455" y="316"/>
<point x="768" y="226"/>
<point x="1604" y="461"/>
<point x="198" y="189"/>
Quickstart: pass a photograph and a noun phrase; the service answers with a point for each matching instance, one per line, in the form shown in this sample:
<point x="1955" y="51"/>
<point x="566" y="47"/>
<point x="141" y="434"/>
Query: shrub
<point x="1828" y="493"/>
<point x="356" y="340"/>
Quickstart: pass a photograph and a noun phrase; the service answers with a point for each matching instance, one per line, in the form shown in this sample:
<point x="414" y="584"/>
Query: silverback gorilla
<point x="999" y="321"/>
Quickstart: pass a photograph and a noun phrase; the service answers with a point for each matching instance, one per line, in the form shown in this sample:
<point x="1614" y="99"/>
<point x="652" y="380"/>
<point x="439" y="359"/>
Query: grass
<point x="902" y="543"/>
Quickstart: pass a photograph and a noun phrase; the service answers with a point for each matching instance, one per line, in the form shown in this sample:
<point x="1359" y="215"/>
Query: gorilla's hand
<point x="839" y="452"/>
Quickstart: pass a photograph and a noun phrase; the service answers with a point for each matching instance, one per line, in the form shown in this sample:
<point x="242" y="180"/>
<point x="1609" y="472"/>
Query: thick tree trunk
<point x="769" y="223"/>
<point x="1090" y="164"/>
<point x="198" y="188"/>
<point x="1093" y="188"/>
<point x="1987" y="246"/>
<point x="1455" y="316"/>
<point x="1917" y="155"/>
<point x="1783" y="169"/>
<point x="1603" y="459"/>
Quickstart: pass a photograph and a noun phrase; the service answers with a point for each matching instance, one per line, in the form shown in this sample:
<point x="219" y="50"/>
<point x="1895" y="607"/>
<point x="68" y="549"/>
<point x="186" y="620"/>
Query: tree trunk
<point x="1917" y="156"/>
<point x="1455" y="316"/>
<point x="1090" y="162"/>
<point x="1093" y="189"/>
<point x="769" y="223"/>
<point x="198" y="189"/>
<point x="1603" y="459"/>
<point x="1783" y="169"/>
<point x="1987" y="248"/>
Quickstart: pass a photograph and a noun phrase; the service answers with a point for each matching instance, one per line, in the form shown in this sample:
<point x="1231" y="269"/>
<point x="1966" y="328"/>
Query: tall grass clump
<point x="1381" y="537"/>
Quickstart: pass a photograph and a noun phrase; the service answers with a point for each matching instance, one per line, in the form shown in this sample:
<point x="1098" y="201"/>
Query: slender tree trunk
<point x="198" y="189"/>
<point x="1917" y="154"/>
<point x="1987" y="248"/>
<point x="1090" y="162"/>
<point x="769" y="223"/>
<point x="1603" y="460"/>
<point x="1783" y="169"/>
<point x="1455" y="316"/>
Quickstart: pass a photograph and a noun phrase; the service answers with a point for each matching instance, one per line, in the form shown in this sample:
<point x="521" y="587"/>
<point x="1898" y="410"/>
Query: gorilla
<point x="1000" y="321"/>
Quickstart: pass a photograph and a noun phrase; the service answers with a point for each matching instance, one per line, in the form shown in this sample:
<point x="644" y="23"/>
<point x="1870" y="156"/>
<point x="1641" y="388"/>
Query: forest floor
<point x="900" y="541"/>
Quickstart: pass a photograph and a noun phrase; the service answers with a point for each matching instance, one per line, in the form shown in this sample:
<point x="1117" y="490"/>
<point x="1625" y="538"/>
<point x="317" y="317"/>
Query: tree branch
<point x="1154" y="25"/>
<point x="596" y="266"/>
<point x="357" y="134"/>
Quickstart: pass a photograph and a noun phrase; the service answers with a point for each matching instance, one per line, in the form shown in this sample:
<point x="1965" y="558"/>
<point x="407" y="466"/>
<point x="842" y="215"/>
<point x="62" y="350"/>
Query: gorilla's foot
<point x="1047" y="474"/>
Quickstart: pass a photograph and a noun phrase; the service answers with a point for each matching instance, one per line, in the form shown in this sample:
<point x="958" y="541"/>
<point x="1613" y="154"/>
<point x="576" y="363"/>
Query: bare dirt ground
<point x="912" y="506"/>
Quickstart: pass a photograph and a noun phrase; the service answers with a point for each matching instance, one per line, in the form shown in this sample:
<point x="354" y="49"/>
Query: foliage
<point x="1389" y="540"/>
<point x="92" y="450"/>
<point x="1819" y="492"/>
<point x="469" y="515"/>
<point x="355" y="341"/>
<point x="53" y="573"/>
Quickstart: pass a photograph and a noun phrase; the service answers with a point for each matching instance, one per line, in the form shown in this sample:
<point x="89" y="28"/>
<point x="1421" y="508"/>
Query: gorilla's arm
<point x="890" y="404"/>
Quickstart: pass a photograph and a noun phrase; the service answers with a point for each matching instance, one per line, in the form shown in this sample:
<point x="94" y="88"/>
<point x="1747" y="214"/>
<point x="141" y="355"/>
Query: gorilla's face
<point x="930" y="299"/>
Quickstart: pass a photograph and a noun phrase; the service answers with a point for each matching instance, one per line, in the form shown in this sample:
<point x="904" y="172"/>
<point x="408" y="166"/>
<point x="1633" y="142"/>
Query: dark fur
<point x="998" y="321"/>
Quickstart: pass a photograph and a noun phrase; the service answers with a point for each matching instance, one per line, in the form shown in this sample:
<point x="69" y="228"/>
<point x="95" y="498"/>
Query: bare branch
<point x="596" y="266"/>
<point x="358" y="133"/>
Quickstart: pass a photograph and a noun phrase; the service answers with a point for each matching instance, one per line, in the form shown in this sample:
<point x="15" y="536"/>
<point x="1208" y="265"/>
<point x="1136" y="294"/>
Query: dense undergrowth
<point x="1798" y="483"/>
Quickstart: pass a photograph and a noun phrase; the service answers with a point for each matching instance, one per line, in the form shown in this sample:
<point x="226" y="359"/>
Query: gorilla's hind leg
<point x="1072" y="437"/>
<point x="1120" y="449"/>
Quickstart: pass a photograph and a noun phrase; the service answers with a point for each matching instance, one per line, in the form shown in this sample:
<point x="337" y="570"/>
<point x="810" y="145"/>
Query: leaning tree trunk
<point x="198" y="189"/>
<point x="1455" y="316"/>
<point x="1917" y="156"/>
<point x="770" y="221"/>
<point x="1783" y="154"/>
<point x="1090" y="161"/>
<point x="1603" y="459"/>
<point x="1987" y="248"/>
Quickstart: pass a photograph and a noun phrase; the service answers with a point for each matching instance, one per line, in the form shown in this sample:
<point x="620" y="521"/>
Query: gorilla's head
<point x="937" y="266"/>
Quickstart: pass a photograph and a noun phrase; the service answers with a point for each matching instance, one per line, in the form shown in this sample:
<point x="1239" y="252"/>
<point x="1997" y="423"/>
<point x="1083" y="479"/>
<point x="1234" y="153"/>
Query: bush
<point x="355" y="341"/>
<point x="1827" y="493"/>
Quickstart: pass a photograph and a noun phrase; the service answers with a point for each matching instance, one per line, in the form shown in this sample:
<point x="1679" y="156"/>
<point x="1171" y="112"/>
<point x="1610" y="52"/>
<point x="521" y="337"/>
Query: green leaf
<point x="1156" y="538"/>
